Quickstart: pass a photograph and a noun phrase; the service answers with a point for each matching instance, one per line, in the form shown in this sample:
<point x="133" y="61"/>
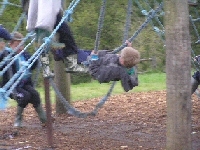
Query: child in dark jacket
<point x="25" y="92"/>
<point x="114" y="67"/>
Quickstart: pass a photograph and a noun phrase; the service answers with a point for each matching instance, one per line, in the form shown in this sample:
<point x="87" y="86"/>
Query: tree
<point x="178" y="68"/>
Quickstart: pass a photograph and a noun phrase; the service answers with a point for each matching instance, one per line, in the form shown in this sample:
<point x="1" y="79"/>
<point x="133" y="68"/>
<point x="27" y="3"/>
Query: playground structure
<point x="5" y="91"/>
<point x="8" y="88"/>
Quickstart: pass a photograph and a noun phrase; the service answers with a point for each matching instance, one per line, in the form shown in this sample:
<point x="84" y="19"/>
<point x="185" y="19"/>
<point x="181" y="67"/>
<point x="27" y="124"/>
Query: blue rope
<point x="156" y="29"/>
<point x="41" y="49"/>
<point x="11" y="81"/>
<point x="76" y="112"/>
<point x="25" y="67"/>
<point x="2" y="9"/>
<point x="127" y="27"/>
<point x="69" y="18"/>
<point x="156" y="17"/>
<point x="66" y="15"/>
<point x="3" y="100"/>
<point x="8" y="88"/>
<point x="19" y="22"/>
<point x="4" y="4"/>
<point x="149" y="18"/>
<point x="68" y="107"/>
<point x="141" y="8"/>
<point x="7" y="58"/>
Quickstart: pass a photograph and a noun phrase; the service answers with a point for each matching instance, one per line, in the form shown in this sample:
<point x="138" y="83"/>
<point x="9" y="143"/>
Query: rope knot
<point x="47" y="41"/>
<point x="25" y="64"/>
<point x="152" y="13"/>
<point x="144" y="12"/>
<point x="69" y="18"/>
<point x="2" y="91"/>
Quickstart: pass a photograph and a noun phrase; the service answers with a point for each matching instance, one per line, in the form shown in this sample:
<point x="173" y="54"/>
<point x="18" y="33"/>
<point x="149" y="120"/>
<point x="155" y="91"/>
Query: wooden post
<point x="46" y="74"/>
<point x="48" y="113"/>
<point x="154" y="64"/>
<point x="62" y="80"/>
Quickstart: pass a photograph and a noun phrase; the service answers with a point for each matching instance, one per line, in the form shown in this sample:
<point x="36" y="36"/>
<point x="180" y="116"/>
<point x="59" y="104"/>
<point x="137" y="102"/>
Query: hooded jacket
<point x="107" y="68"/>
<point x="14" y="68"/>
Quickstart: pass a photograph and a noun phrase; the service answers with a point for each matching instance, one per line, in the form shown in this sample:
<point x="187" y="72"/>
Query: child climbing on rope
<point x="106" y="67"/>
<point x="25" y="93"/>
<point x="44" y="21"/>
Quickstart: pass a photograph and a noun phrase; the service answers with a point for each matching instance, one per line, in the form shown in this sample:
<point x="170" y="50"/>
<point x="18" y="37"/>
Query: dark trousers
<point x="196" y="76"/>
<point x="27" y="94"/>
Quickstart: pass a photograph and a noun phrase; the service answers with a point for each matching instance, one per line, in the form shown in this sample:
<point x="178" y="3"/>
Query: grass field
<point x="147" y="82"/>
<point x="84" y="91"/>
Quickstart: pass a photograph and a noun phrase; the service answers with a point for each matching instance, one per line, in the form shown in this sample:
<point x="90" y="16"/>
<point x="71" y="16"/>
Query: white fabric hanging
<point x="42" y="14"/>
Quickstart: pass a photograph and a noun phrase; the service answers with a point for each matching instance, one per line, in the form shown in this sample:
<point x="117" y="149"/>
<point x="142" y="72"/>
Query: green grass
<point x="147" y="82"/>
<point x="84" y="91"/>
<point x="151" y="82"/>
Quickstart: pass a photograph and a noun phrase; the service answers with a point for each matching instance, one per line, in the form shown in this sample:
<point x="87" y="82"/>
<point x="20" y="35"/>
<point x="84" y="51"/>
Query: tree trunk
<point x="178" y="68"/>
<point x="62" y="80"/>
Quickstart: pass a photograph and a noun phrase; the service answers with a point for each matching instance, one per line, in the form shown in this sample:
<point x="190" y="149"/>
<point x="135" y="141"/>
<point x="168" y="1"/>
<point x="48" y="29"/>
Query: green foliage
<point x="78" y="78"/>
<point x="10" y="17"/>
<point x="83" y="26"/>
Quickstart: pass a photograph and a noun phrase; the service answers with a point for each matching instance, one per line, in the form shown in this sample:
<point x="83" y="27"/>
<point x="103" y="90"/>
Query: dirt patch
<point x="131" y="121"/>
